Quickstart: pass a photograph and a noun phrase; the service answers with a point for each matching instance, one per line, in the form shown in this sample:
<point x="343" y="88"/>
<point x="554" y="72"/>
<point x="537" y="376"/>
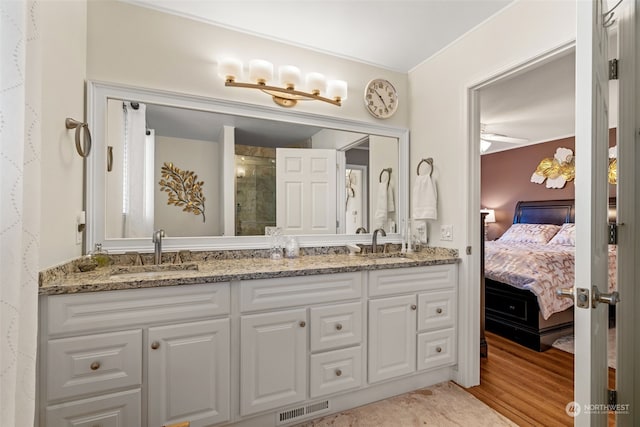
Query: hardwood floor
<point x="529" y="388"/>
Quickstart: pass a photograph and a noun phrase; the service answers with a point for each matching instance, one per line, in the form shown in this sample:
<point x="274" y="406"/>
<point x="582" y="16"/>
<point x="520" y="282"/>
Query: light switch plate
<point x="446" y="232"/>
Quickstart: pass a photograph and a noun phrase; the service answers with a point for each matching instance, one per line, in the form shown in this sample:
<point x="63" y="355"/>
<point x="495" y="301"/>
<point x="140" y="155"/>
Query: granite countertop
<point x="116" y="277"/>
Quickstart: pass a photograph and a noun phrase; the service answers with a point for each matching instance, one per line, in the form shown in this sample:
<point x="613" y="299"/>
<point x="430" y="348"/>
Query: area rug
<point x="442" y="405"/>
<point x="566" y="344"/>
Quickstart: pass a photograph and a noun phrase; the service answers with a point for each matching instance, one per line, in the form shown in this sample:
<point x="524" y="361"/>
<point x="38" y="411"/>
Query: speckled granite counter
<point x="70" y="280"/>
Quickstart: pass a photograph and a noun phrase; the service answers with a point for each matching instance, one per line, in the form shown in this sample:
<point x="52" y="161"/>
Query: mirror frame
<point x="99" y="92"/>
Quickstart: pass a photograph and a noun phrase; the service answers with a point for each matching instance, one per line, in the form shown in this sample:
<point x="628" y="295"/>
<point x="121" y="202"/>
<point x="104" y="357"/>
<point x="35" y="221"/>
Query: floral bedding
<point x="540" y="268"/>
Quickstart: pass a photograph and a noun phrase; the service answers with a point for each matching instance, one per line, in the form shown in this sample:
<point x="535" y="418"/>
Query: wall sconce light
<point x="261" y="76"/>
<point x="490" y="218"/>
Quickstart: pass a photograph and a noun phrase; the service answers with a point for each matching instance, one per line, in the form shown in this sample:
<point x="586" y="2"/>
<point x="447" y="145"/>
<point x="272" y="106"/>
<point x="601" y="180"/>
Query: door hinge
<point x="613" y="69"/>
<point x="612" y="397"/>
<point x="468" y="250"/>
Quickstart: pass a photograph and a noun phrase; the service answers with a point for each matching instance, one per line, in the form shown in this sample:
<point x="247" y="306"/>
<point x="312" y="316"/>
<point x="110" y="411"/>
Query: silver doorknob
<point x="605" y="298"/>
<point x="338" y="372"/>
<point x="155" y="345"/>
<point x="339" y="326"/>
<point x="438" y="349"/>
<point x="95" y="366"/>
<point x="302" y="323"/>
<point x="414" y="307"/>
<point x="565" y="293"/>
<point x="439" y="310"/>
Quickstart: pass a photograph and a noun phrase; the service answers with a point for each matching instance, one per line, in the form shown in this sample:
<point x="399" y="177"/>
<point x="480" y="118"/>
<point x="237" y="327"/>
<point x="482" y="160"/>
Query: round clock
<point x="381" y="98"/>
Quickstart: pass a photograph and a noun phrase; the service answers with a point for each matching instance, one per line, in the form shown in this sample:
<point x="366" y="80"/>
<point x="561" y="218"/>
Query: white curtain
<point x="137" y="185"/>
<point x="19" y="208"/>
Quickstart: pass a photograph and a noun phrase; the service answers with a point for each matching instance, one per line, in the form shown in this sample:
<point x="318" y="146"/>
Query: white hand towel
<point x="391" y="204"/>
<point x="380" y="215"/>
<point x="425" y="198"/>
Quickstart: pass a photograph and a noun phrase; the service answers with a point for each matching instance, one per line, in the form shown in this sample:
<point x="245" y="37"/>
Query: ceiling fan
<point x="487" y="138"/>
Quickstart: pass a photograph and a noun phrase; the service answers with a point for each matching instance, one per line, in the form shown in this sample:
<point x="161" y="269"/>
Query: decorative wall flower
<point x="183" y="189"/>
<point x="557" y="171"/>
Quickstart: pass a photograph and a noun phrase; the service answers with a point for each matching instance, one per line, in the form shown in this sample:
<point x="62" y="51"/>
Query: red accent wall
<point x="506" y="179"/>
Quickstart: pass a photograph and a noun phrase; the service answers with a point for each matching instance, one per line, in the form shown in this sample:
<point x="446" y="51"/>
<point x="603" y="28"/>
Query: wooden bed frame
<point x="514" y="313"/>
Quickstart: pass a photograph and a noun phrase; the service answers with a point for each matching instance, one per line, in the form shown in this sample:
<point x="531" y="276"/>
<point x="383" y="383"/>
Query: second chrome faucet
<point x="374" y="242"/>
<point x="157" y="237"/>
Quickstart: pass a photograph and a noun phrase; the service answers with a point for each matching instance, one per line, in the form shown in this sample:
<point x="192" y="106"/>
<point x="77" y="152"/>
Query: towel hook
<point x="429" y="161"/>
<point x="78" y="126"/>
<point x="388" y="170"/>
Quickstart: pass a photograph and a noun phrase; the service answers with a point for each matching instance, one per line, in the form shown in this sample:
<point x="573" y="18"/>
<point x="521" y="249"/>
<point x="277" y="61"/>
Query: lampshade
<point x="337" y="89"/>
<point x="260" y="71"/>
<point x="491" y="215"/>
<point x="290" y="76"/>
<point x="229" y="68"/>
<point x="316" y="83"/>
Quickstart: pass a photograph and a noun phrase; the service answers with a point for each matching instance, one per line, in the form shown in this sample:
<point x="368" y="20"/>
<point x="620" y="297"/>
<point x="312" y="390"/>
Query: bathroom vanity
<point x="253" y="342"/>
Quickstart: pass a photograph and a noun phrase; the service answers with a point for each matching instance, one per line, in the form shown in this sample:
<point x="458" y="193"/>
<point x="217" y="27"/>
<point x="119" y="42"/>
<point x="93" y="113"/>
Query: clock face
<point x="381" y="98"/>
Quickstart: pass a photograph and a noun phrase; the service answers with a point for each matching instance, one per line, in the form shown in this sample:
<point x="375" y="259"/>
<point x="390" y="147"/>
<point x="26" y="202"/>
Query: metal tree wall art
<point x="183" y="189"/>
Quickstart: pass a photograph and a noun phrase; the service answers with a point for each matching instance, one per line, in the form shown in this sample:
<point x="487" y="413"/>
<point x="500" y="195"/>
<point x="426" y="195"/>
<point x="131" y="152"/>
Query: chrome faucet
<point x="157" y="240"/>
<point x="374" y="243"/>
<point x="361" y="230"/>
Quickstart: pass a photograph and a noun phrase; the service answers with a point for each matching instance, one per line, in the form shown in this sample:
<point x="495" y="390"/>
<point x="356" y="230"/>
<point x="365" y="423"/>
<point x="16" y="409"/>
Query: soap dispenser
<point x="100" y="256"/>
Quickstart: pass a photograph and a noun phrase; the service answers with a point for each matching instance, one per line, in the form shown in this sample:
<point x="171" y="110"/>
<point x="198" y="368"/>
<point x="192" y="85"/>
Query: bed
<point x="525" y="267"/>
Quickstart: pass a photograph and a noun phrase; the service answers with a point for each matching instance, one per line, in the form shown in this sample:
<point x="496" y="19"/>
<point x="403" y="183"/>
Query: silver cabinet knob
<point x="302" y="323"/>
<point x="439" y="310"/>
<point x="414" y="307"/>
<point x="95" y="366"/>
<point x="339" y="326"/>
<point x="155" y="345"/>
<point x="438" y="349"/>
<point x="338" y="373"/>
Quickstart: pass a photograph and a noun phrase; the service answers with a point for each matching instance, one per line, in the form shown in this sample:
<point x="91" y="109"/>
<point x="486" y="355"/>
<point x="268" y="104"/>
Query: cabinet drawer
<point x="335" y="371"/>
<point x="405" y="280"/>
<point x="89" y="312"/>
<point x="113" y="410"/>
<point x="336" y="326"/>
<point x="283" y="292"/>
<point x="436" y="349"/>
<point x="436" y="310"/>
<point x="93" y="363"/>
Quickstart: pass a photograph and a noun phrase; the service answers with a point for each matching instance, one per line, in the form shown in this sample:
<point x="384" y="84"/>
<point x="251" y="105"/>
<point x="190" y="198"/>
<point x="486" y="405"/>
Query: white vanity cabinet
<point x="135" y="357"/>
<point x="412" y="319"/>
<point x="297" y="316"/>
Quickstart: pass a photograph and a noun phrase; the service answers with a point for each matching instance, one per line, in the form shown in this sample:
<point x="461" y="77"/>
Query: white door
<point x="273" y="368"/>
<point x="392" y="337"/>
<point x="189" y="373"/>
<point x="306" y="191"/>
<point x="591" y="326"/>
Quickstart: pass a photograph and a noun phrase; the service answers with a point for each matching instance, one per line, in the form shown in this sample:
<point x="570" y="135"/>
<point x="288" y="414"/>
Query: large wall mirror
<point x="217" y="174"/>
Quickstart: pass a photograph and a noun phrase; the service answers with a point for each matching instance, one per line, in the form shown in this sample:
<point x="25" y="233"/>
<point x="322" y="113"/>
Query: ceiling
<point x="537" y="105"/>
<point x="368" y="31"/>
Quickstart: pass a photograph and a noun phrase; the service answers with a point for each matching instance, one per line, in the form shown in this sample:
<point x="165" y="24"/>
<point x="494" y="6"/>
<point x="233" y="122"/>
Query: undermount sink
<point x="150" y="271"/>
<point x="385" y="255"/>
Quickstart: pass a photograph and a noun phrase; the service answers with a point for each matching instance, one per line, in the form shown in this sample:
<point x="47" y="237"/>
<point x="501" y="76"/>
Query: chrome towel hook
<point x="78" y="126"/>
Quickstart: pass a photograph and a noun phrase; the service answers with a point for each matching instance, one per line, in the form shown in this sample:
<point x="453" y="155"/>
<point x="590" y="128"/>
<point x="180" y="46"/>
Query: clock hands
<point x="382" y="100"/>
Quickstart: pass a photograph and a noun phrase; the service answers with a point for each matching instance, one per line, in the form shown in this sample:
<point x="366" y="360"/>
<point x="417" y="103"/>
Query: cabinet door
<point x="273" y="360"/>
<point x="392" y="337"/>
<point x="188" y="371"/>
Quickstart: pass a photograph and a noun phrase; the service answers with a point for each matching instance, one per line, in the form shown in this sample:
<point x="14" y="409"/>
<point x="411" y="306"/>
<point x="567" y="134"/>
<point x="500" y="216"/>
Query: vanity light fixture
<point x="288" y="94"/>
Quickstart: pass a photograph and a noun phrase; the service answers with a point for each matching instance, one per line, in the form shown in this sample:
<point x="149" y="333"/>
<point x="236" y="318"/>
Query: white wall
<point x="64" y="45"/>
<point x="439" y="129"/>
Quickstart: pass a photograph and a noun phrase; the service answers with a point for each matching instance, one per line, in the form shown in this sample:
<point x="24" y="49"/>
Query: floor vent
<point x="301" y="412"/>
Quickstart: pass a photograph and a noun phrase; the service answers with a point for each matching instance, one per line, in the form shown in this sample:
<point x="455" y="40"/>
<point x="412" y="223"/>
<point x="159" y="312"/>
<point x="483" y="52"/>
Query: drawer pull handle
<point x="414" y="307"/>
<point x="155" y="345"/>
<point x="302" y="323"/>
<point x="439" y="310"/>
<point x="95" y="366"/>
<point x="339" y="326"/>
<point x="438" y="349"/>
<point x="338" y="373"/>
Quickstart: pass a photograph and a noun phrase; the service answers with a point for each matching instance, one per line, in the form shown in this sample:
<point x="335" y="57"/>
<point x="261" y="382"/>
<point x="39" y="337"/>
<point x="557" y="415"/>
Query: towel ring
<point x="388" y="170"/>
<point x="428" y="161"/>
<point x="78" y="126"/>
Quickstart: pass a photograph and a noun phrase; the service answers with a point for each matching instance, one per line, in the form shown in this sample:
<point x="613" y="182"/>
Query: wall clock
<point x="381" y="98"/>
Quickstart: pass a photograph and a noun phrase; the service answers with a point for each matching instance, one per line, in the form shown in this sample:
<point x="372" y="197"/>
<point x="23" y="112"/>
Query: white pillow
<point x="529" y="233"/>
<point x="566" y="236"/>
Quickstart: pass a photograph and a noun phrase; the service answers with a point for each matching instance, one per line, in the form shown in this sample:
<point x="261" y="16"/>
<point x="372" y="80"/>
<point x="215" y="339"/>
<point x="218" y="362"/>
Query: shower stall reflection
<point x="255" y="188"/>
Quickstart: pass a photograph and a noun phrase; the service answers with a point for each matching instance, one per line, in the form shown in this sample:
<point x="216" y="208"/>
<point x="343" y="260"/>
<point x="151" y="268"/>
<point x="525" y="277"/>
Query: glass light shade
<point x="260" y="71"/>
<point x="337" y="89"/>
<point x="491" y="215"/>
<point x="290" y="76"/>
<point x="316" y="83"/>
<point x="229" y="68"/>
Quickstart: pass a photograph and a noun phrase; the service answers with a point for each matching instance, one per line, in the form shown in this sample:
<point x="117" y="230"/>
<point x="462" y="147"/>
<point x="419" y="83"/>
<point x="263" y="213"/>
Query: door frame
<point x="468" y="373"/>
